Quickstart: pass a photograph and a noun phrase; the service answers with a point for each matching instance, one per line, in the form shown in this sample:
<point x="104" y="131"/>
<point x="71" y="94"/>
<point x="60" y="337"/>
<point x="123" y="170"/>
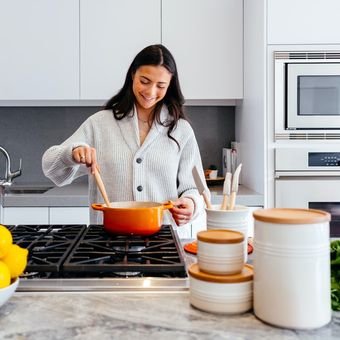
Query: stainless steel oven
<point x="307" y="91"/>
<point x="309" y="177"/>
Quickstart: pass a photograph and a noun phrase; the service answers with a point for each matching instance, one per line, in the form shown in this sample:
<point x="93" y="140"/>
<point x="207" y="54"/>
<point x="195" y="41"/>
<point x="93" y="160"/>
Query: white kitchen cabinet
<point x="303" y="21"/>
<point x="25" y="215"/>
<point x="45" y="215"/>
<point x="39" y="57"/>
<point x="206" y="39"/>
<point x="78" y="51"/>
<point x="112" y="32"/>
<point x="69" y="215"/>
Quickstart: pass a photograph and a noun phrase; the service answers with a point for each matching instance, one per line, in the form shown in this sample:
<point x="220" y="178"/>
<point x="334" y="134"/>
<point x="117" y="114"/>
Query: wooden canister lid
<point x="291" y="216"/>
<point x="220" y="236"/>
<point x="245" y="275"/>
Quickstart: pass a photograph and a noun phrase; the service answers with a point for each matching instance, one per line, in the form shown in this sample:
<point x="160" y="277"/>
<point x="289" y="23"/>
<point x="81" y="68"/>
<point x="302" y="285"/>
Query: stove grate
<point x="48" y="245"/>
<point x="100" y="252"/>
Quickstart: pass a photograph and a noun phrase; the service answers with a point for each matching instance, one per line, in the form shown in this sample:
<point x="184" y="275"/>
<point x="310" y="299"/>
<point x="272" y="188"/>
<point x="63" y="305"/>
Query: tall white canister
<point x="292" y="267"/>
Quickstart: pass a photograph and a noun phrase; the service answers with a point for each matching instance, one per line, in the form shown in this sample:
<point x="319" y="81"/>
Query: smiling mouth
<point x="148" y="99"/>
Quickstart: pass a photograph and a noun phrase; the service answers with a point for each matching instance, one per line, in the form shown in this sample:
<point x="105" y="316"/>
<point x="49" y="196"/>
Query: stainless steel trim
<point x="307" y="136"/>
<point x="304" y="173"/>
<point x="146" y="284"/>
<point x="307" y="55"/>
<point x="130" y="284"/>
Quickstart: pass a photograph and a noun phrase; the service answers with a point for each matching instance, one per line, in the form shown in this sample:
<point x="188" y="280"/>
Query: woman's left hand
<point x="182" y="210"/>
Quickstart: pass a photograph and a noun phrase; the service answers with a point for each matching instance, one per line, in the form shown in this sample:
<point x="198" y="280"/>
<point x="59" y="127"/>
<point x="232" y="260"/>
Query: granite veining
<point x="54" y="316"/>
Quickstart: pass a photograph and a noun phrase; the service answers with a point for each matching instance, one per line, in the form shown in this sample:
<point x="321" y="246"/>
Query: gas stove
<point x="87" y="258"/>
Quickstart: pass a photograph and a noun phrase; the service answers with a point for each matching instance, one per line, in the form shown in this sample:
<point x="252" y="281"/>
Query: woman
<point x="141" y="142"/>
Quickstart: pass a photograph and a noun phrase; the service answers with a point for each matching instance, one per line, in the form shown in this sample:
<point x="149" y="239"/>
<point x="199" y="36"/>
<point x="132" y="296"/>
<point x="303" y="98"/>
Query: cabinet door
<point x="206" y="39"/>
<point x="25" y="215"/>
<point x="303" y="22"/>
<point x="69" y="215"/>
<point x="112" y="32"/>
<point x="39" y="56"/>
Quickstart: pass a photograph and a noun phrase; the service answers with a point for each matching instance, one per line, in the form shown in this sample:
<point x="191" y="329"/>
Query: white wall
<point x="250" y="114"/>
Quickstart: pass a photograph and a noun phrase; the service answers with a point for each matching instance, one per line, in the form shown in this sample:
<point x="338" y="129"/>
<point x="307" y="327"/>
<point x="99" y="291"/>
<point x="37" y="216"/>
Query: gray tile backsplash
<point x="26" y="132"/>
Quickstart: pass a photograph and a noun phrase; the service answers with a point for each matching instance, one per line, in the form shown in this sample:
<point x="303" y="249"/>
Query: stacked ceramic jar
<point x="236" y="219"/>
<point x="220" y="281"/>
<point x="292" y="267"/>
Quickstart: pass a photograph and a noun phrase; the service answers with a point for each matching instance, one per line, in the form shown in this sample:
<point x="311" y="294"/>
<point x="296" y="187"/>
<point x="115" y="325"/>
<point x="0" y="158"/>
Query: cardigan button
<point x="139" y="160"/>
<point x="139" y="188"/>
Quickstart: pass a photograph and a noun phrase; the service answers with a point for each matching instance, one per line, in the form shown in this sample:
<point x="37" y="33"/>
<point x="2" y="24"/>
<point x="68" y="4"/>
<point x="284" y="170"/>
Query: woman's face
<point x="149" y="85"/>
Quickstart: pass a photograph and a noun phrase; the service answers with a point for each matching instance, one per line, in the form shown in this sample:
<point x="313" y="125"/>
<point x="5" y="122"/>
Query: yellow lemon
<point x="16" y="260"/>
<point x="5" y="276"/>
<point x="5" y="240"/>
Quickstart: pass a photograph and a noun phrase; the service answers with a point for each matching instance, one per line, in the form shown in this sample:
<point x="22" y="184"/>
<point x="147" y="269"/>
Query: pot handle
<point x="97" y="206"/>
<point x="167" y="205"/>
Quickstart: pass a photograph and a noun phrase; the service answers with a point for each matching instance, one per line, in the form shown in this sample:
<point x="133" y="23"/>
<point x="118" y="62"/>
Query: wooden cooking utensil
<point x="226" y="190"/>
<point x="101" y="187"/>
<point x="234" y="187"/>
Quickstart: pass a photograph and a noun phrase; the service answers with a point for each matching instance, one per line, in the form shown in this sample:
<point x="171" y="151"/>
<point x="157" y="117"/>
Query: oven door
<point x="313" y="96"/>
<point x="322" y="193"/>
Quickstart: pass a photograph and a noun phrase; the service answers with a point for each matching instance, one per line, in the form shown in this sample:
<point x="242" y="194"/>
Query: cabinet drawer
<point x="25" y="215"/>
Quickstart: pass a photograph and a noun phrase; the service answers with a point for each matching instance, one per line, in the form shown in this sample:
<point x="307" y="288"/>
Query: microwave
<point x="307" y="91"/>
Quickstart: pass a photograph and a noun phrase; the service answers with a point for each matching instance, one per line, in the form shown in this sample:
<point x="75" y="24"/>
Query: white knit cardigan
<point x="163" y="171"/>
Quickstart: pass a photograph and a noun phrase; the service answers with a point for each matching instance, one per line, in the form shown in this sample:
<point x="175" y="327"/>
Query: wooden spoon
<point x="101" y="187"/>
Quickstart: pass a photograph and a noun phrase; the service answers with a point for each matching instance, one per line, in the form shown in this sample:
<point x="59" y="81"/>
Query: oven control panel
<point x="307" y="159"/>
<point x="324" y="159"/>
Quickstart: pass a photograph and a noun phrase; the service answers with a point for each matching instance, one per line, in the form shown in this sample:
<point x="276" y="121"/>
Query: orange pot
<point x="133" y="218"/>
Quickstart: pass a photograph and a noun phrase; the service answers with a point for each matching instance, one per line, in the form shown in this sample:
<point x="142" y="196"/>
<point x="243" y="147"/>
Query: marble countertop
<point x="49" y="316"/>
<point x="76" y="195"/>
<point x="135" y="315"/>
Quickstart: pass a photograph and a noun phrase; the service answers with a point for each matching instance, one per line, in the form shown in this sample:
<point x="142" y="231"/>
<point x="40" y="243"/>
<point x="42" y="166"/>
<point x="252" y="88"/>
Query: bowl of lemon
<point x="13" y="261"/>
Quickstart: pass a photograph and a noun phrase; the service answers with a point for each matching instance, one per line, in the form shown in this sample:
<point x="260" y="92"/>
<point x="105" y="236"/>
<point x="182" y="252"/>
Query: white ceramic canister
<point x="237" y="219"/>
<point x="220" y="251"/>
<point x="225" y="294"/>
<point x="292" y="267"/>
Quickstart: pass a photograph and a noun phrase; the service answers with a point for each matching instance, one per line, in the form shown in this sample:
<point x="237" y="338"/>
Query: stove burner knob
<point x="140" y="188"/>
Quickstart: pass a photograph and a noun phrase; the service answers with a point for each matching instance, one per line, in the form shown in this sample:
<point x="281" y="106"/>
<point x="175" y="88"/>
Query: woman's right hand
<point x="86" y="155"/>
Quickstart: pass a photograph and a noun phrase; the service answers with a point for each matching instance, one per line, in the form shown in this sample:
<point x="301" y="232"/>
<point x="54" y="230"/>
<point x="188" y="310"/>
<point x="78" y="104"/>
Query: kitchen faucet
<point x="9" y="175"/>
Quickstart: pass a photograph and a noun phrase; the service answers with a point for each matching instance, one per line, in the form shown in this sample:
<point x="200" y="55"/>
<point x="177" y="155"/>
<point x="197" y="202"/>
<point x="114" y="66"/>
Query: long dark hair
<point x="122" y="103"/>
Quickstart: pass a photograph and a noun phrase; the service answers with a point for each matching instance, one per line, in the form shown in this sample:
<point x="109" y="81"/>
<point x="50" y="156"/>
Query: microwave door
<point x="313" y="96"/>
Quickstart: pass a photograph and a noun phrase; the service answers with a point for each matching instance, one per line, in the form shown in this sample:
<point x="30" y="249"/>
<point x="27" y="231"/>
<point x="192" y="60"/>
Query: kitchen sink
<point x="25" y="190"/>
